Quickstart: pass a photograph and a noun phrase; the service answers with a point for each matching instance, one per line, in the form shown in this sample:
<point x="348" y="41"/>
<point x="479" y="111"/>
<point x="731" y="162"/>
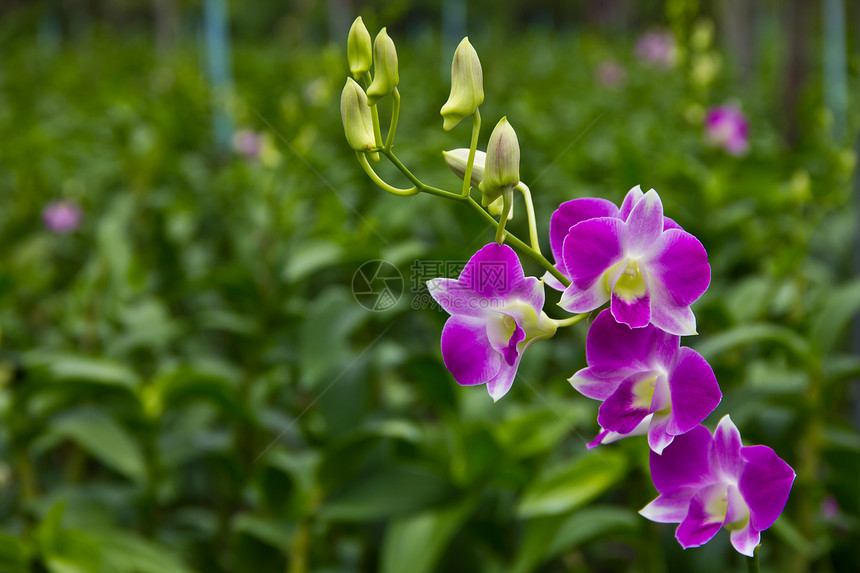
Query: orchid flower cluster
<point x="643" y="264"/>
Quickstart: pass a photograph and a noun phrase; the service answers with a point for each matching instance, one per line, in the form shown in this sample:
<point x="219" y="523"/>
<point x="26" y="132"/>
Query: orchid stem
<point x="395" y="115"/>
<point x="362" y="160"/>
<point x="570" y="321"/>
<point x="473" y="146"/>
<point x="508" y="195"/>
<point x="415" y="181"/>
<point x="530" y="212"/>
<point x="752" y="562"/>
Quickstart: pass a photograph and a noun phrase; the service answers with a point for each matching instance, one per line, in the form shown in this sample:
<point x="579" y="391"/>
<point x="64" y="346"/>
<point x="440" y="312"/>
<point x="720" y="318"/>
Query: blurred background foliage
<point x="188" y="383"/>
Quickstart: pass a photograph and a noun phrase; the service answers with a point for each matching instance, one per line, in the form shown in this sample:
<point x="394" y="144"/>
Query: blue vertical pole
<point x="217" y="36"/>
<point x="835" y="82"/>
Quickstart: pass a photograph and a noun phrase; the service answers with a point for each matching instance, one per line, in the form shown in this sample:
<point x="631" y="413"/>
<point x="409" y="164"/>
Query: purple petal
<point x="494" y="271"/>
<point x="467" y="352"/>
<point x="746" y="540"/>
<point x="765" y="484"/>
<point x="727" y="447"/>
<point x="598" y="439"/>
<point x="608" y="436"/>
<point x="553" y="282"/>
<point x="694" y="390"/>
<point x="592" y="386"/>
<point x="577" y="300"/>
<point x="614" y="349"/>
<point x="667" y="509"/>
<point x="658" y="436"/>
<point x="633" y="196"/>
<point x="502" y="382"/>
<point x="670" y="224"/>
<point x="454" y="298"/>
<point x="680" y="264"/>
<point x="510" y="351"/>
<point x="635" y="313"/>
<point x="666" y="316"/>
<point x="684" y="465"/>
<point x="620" y="412"/>
<point x="569" y="214"/>
<point x="645" y="225"/>
<point x="701" y="523"/>
<point x="590" y="249"/>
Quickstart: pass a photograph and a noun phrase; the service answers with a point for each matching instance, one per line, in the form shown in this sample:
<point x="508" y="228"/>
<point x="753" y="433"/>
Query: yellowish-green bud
<point x="457" y="160"/>
<point x="497" y="207"/>
<point x="359" y="48"/>
<point x="385" y="74"/>
<point x="467" y="86"/>
<point x="502" y="166"/>
<point x="357" y="123"/>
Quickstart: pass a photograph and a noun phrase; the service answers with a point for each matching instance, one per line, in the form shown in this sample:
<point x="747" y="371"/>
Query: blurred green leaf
<point x="746" y="335"/>
<point x="829" y="323"/>
<point x="103" y="438"/>
<point x="416" y="542"/>
<point x="569" y="485"/>
<point x="64" y="367"/>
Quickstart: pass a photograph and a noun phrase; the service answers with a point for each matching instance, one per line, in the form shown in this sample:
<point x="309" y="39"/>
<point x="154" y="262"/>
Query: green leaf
<point x="416" y="542"/>
<point x="830" y="321"/>
<point x="272" y="532"/>
<point x="749" y="334"/>
<point x="127" y="553"/>
<point x="547" y="537"/>
<point x="389" y="489"/>
<point x="104" y="439"/>
<point x="311" y="257"/>
<point x="571" y="484"/>
<point x="73" y="367"/>
<point x="14" y="554"/>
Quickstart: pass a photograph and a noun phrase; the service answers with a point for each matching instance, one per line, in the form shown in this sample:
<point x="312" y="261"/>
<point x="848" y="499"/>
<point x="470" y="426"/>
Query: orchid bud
<point x="358" y="48"/>
<point x="497" y="207"/>
<point x="385" y="75"/>
<point x="467" y="86"/>
<point x="357" y="123"/>
<point x="457" y="160"/>
<point x="502" y="166"/>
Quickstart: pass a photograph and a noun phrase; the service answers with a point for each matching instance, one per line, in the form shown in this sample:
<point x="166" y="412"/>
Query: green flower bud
<point x="502" y="166"/>
<point x="357" y="123"/>
<point x="497" y="207"/>
<point x="358" y="48"/>
<point x="467" y="86"/>
<point x="385" y="75"/>
<point x="457" y="159"/>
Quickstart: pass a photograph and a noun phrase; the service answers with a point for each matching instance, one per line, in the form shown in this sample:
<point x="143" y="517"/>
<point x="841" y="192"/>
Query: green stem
<point x="570" y="321"/>
<point x="752" y="562"/>
<point x="530" y="212"/>
<point x="374" y="114"/>
<point x="473" y="146"/>
<point x="395" y="116"/>
<point x="365" y="164"/>
<point x="508" y="195"/>
<point x="415" y="181"/>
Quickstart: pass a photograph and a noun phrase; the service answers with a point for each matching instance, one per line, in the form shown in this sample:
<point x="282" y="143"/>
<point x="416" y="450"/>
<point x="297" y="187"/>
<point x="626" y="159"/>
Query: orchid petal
<point x="645" y="224"/>
<point x="680" y="263"/>
<point x="590" y="249"/>
<point x="569" y="214"/>
<point x="633" y="196"/>
<point x="765" y="484"/>
<point x="745" y="540"/>
<point x="694" y="390"/>
<point x="635" y="313"/>
<point x="684" y="467"/>
<point x="702" y="521"/>
<point x="620" y="412"/>
<point x="454" y="298"/>
<point x="671" y="318"/>
<point x="467" y="352"/>
<point x="592" y="386"/>
<point x="658" y="436"/>
<point x="614" y="349"/>
<point x="667" y="509"/>
<point x="727" y="447"/>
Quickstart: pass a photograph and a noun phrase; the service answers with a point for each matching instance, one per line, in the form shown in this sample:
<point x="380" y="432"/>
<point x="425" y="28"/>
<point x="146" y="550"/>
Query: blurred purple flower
<point x="247" y="143"/>
<point x="656" y="48"/>
<point x="644" y="263"/>
<point x="708" y="482"/>
<point x="727" y="127"/>
<point x="496" y="313"/>
<point x="644" y="375"/>
<point x="610" y="73"/>
<point x="62" y="216"/>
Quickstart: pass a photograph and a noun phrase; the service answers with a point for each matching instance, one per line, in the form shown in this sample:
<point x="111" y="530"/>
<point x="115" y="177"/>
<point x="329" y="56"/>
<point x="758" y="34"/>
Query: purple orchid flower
<point x="727" y="127"/>
<point x="647" y="382"/>
<point x="646" y="264"/>
<point x="62" y="217"/>
<point x="707" y="482"/>
<point x="657" y="49"/>
<point x="496" y="313"/>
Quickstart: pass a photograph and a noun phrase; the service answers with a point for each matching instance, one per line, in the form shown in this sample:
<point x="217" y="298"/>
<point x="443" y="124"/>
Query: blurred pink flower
<point x="657" y="49"/>
<point x="247" y="143"/>
<point x="610" y="73"/>
<point x="727" y="127"/>
<point x="62" y="216"/>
